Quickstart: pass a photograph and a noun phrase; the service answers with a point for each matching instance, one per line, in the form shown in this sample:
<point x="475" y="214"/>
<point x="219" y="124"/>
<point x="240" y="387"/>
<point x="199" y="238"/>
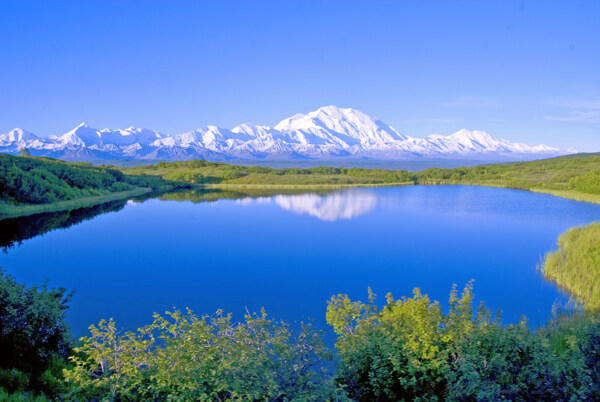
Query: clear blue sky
<point x="523" y="70"/>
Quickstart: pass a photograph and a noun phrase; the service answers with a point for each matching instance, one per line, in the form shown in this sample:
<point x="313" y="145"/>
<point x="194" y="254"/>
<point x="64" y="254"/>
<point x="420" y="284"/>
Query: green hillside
<point x="573" y="176"/>
<point x="31" y="185"/>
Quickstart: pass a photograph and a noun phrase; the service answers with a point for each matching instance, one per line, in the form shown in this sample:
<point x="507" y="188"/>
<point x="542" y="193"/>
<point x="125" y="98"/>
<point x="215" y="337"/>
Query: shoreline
<point x="16" y="211"/>
<point x="567" y="194"/>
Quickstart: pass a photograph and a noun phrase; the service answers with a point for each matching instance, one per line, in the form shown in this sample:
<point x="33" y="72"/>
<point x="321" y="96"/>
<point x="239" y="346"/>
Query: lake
<point x="290" y="253"/>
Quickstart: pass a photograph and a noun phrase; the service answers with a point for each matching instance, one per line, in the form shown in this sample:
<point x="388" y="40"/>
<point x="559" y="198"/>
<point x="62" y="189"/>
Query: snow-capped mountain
<point x="329" y="132"/>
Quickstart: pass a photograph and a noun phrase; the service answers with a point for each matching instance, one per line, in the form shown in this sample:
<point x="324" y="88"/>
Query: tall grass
<point x="575" y="265"/>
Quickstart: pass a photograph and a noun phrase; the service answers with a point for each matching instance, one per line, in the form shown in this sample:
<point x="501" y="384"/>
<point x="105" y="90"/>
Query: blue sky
<point x="526" y="71"/>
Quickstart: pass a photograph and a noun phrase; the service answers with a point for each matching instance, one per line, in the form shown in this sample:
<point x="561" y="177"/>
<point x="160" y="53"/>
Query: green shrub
<point x="185" y="357"/>
<point x="410" y="350"/>
<point x="13" y="380"/>
<point x="33" y="332"/>
<point x="587" y="183"/>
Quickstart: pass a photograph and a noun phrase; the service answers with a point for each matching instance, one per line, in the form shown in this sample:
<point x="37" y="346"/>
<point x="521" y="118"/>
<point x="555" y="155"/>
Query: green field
<point x="26" y="182"/>
<point x="576" y="176"/>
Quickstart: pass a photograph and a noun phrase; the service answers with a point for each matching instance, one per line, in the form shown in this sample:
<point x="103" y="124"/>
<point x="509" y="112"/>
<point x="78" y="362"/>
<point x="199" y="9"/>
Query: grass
<point x="269" y="186"/>
<point x="571" y="194"/>
<point x="574" y="177"/>
<point x="575" y="265"/>
<point x="11" y="211"/>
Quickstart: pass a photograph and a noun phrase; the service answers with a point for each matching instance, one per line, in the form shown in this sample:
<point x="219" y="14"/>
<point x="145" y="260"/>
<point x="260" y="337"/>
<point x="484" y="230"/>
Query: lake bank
<point x="568" y="194"/>
<point x="14" y="211"/>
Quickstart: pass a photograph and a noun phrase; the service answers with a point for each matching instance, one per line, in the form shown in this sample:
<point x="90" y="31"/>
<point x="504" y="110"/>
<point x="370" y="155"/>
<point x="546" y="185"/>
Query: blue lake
<point x="291" y="253"/>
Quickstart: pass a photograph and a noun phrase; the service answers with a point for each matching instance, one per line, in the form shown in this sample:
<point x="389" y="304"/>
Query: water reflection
<point x="341" y="205"/>
<point x="194" y="251"/>
<point x="14" y="230"/>
<point x="330" y="207"/>
<point x="325" y="206"/>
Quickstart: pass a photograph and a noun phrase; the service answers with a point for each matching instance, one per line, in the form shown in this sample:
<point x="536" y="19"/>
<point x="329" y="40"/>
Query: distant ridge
<point x="326" y="133"/>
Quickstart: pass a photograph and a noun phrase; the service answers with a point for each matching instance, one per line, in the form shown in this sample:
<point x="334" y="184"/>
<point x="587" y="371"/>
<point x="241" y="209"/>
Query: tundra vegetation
<point x="33" y="185"/>
<point x="575" y="176"/>
<point x="33" y="181"/>
<point x="404" y="349"/>
<point x="575" y="265"/>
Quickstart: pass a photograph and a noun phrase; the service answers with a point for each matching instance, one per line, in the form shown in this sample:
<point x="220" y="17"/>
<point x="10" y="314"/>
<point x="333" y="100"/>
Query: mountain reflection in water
<point x="341" y="205"/>
<point x="331" y="207"/>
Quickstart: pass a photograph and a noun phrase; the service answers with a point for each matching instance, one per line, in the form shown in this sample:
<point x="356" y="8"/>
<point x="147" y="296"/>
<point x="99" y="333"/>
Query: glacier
<point x="327" y="133"/>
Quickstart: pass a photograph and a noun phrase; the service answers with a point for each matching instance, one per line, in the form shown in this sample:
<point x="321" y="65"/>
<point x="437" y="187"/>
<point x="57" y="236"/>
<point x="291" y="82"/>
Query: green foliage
<point x="391" y="353"/>
<point x="575" y="265"/>
<point x="20" y="396"/>
<point x="587" y="183"/>
<point x="42" y="180"/>
<point x="34" y="337"/>
<point x="407" y="350"/>
<point x="13" y="380"/>
<point x="410" y="350"/>
<point x="30" y="180"/>
<point x="572" y="174"/>
<point x="185" y="357"/>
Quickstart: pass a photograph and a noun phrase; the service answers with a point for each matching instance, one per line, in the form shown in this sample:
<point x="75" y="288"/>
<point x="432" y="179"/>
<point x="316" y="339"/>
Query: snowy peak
<point x="18" y="134"/>
<point x="469" y="142"/>
<point x="479" y="136"/>
<point x="328" y="132"/>
<point x="129" y="136"/>
<point x="474" y="140"/>
<point x="82" y="135"/>
<point x="341" y="124"/>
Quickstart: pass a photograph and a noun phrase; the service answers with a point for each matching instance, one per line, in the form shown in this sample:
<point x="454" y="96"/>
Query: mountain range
<point x="326" y="133"/>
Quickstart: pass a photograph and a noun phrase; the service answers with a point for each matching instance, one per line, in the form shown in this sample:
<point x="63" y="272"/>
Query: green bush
<point x="185" y="357"/>
<point x="33" y="334"/>
<point x="411" y="350"/>
<point x="13" y="380"/>
<point x="587" y="183"/>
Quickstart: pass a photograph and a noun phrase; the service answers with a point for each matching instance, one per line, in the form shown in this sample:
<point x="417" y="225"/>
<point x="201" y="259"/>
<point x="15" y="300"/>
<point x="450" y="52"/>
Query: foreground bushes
<point x="407" y="350"/>
<point x="410" y="350"/>
<point x="34" y="338"/>
<point x="185" y="357"/>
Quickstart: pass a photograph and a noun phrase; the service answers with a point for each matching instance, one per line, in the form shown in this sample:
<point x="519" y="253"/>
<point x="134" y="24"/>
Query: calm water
<point x="291" y="253"/>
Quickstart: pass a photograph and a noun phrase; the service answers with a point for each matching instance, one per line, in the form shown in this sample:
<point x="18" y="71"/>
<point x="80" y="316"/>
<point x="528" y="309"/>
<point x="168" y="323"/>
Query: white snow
<point x="326" y="132"/>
